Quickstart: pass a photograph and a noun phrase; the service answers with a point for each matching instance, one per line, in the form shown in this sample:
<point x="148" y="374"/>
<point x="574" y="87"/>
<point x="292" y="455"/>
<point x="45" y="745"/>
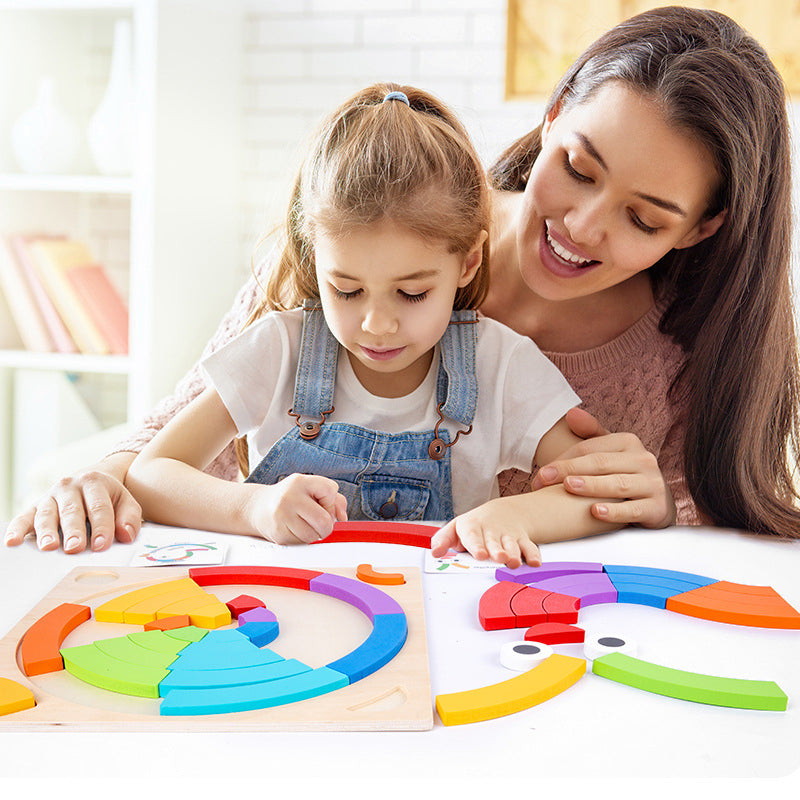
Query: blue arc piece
<point x="658" y="576"/>
<point x="247" y="698"/>
<point x="260" y="633"/>
<point x="649" y="586"/>
<point x="380" y="647"/>
<point x="217" y="678"/>
<point x="642" y="594"/>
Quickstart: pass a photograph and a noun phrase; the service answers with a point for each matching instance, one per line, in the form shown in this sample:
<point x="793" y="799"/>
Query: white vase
<point x="110" y="129"/>
<point x="45" y="139"/>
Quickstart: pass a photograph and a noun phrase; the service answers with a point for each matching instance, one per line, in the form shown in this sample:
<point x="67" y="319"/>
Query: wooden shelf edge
<point x="65" y="362"/>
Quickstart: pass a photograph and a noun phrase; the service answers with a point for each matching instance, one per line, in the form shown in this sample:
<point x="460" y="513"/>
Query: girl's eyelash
<point x="346" y="295"/>
<point x="411" y="298"/>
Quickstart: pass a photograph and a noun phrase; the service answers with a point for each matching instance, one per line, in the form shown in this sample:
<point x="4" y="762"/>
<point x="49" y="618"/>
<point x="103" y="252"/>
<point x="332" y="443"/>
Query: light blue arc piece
<point x="243" y="676"/>
<point x="247" y="698"/>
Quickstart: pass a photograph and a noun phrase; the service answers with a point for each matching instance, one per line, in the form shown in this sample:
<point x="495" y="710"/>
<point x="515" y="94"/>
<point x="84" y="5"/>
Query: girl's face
<point x="387" y="295"/>
<point x="613" y="190"/>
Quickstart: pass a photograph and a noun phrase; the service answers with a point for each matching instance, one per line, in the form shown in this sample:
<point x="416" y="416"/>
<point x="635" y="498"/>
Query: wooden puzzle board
<point x="314" y="629"/>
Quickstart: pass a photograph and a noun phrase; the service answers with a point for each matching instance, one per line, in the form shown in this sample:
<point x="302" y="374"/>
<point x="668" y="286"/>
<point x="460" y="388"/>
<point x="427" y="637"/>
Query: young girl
<point x="384" y="396"/>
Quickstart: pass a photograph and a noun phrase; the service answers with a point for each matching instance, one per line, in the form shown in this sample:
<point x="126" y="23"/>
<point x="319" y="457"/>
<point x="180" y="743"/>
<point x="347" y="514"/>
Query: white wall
<point x="304" y="57"/>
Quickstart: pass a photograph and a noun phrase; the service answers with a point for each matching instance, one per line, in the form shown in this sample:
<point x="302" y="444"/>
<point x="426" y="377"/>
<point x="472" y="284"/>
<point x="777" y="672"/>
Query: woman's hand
<point x="90" y="508"/>
<point x="613" y="465"/>
<point x="300" y="509"/>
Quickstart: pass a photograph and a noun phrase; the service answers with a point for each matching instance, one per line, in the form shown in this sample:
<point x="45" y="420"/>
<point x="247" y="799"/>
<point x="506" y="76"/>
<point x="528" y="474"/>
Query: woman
<point x="645" y="225"/>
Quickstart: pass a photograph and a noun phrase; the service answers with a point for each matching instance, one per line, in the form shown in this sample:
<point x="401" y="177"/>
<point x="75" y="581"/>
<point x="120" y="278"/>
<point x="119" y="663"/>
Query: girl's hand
<point x="613" y="465"/>
<point x="92" y="501"/>
<point x="495" y="530"/>
<point x="300" y="509"/>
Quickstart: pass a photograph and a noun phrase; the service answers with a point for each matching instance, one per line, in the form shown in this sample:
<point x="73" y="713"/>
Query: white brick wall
<point x="304" y="57"/>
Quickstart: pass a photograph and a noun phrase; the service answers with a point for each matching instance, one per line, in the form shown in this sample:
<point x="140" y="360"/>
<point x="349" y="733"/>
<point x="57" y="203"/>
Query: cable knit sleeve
<point x="625" y="384"/>
<point x="193" y="383"/>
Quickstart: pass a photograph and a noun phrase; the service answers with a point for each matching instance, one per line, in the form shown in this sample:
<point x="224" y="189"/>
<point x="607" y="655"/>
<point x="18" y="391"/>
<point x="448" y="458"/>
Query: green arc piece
<point x="730" y="692"/>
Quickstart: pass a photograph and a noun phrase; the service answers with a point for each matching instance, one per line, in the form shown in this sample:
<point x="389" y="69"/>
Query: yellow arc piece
<point x="145" y="610"/>
<point x="553" y="676"/>
<point x="113" y="610"/>
<point x="14" y="697"/>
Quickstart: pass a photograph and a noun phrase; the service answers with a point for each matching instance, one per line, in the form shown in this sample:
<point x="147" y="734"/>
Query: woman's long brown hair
<point x="732" y="297"/>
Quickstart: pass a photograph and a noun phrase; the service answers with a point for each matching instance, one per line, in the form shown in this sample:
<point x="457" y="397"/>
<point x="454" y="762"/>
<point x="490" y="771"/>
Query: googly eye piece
<point x="522" y="656"/>
<point x="604" y="644"/>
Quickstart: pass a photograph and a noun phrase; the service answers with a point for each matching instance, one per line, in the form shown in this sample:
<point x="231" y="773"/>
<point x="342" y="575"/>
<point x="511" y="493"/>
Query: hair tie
<point x="401" y="96"/>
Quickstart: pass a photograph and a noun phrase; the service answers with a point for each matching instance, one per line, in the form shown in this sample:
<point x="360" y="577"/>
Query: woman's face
<point x="612" y="191"/>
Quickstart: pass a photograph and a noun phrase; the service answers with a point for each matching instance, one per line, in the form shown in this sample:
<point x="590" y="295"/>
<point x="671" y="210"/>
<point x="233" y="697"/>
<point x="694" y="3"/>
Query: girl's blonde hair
<point x="374" y="160"/>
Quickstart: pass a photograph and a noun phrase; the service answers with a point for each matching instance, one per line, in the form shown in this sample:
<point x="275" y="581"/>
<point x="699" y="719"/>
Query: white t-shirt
<point x="521" y="395"/>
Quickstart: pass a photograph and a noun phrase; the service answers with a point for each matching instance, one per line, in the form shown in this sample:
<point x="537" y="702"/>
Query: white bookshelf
<point x="168" y="232"/>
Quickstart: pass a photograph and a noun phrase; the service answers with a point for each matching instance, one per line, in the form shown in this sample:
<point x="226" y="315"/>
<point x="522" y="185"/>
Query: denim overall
<point x="400" y="476"/>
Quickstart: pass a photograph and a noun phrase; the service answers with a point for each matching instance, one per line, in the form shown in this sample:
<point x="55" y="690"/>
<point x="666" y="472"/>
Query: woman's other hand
<point x="613" y="465"/>
<point x="88" y="509"/>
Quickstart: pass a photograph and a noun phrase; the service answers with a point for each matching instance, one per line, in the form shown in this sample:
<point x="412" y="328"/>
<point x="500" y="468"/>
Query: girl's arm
<point x="509" y="529"/>
<point x="168" y="481"/>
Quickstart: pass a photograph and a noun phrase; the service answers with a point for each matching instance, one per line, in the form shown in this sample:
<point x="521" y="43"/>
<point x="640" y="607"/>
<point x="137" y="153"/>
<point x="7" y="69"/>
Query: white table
<point x="596" y="729"/>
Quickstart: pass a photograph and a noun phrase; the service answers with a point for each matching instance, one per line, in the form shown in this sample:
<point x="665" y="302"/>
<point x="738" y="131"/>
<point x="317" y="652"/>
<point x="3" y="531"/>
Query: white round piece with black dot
<point x="605" y="644"/>
<point x="521" y="656"/>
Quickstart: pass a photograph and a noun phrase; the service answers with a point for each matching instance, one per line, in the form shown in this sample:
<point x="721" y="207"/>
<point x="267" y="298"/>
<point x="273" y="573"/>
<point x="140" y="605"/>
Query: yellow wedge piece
<point x="14" y="697"/>
<point x="114" y="610"/>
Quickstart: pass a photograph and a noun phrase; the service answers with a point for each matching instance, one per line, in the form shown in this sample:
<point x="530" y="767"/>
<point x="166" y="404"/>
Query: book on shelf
<point x="22" y="305"/>
<point x="83" y="293"/>
<point x="61" y="340"/>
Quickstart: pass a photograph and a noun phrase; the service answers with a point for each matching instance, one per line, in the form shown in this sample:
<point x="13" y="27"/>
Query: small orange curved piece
<point x="365" y="573"/>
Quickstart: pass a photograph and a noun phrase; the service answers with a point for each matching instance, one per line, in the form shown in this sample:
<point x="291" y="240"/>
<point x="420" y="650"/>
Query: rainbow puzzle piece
<point x="548" y="599"/>
<point x="198" y="668"/>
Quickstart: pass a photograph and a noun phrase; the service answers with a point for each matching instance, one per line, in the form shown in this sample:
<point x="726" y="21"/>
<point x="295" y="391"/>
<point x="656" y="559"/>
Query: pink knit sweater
<point x="623" y="383"/>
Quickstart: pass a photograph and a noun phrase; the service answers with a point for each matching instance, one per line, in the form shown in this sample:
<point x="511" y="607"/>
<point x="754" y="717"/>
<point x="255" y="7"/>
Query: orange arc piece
<point x="549" y="678"/>
<point x="14" y="697"/>
<point x="39" y="649"/>
<point x="168" y="623"/>
<point x="365" y="573"/>
<point x="737" y="604"/>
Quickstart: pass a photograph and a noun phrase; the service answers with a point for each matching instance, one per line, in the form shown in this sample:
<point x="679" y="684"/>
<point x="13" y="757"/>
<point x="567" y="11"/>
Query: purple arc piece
<point x="257" y="615"/>
<point x="554" y="569"/>
<point x="592" y="588"/>
<point x="365" y="598"/>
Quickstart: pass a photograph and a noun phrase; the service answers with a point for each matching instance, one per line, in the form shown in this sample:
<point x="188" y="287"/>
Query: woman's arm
<point x="92" y="507"/>
<point x="167" y="479"/>
<point x="613" y="465"/>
